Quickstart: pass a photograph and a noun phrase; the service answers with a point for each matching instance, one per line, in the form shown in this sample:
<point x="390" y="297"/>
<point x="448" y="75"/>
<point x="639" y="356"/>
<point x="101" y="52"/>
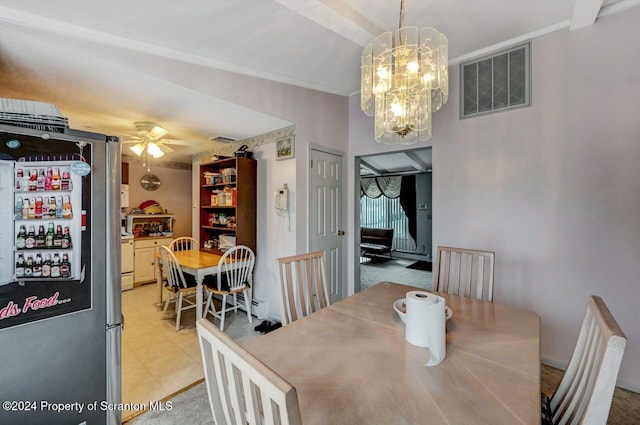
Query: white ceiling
<point x="397" y="163"/>
<point x="91" y="58"/>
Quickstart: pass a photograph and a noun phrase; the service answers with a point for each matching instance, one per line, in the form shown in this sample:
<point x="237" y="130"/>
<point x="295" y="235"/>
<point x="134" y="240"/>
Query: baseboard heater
<point x="258" y="307"/>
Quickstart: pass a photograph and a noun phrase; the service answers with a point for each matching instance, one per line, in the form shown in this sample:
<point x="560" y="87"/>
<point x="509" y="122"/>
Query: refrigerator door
<point x="112" y="218"/>
<point x="113" y="299"/>
<point x="114" y="377"/>
<point x="57" y="350"/>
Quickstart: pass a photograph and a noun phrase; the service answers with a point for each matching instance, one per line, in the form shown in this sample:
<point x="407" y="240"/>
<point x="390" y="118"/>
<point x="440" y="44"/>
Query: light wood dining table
<point x="196" y="262"/>
<point x="351" y="364"/>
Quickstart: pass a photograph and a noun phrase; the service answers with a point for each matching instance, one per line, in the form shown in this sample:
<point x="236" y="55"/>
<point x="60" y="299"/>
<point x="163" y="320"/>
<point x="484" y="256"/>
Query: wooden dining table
<point x="196" y="262"/>
<point x="351" y="364"/>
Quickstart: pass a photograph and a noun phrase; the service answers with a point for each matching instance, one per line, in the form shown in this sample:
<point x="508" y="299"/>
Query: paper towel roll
<point x="426" y="324"/>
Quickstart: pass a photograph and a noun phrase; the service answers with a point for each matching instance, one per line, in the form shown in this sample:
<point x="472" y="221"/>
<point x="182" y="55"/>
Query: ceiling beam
<point x="585" y="13"/>
<point x="416" y="162"/>
<point x="374" y="170"/>
<point x="336" y="16"/>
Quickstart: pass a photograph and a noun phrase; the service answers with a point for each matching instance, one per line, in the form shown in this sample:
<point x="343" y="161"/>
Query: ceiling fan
<point x="149" y="141"/>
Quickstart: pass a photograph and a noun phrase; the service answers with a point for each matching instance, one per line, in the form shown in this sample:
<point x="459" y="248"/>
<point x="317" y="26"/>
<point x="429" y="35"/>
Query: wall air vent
<point x="498" y="82"/>
<point x="222" y="139"/>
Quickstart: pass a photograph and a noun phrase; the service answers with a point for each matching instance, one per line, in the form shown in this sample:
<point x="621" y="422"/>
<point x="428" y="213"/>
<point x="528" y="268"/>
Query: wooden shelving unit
<point x="245" y="209"/>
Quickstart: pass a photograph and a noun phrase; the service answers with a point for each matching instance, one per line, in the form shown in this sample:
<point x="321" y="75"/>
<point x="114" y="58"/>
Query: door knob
<point x="340" y="232"/>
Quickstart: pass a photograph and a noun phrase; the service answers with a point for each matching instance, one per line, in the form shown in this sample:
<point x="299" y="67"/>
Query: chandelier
<point x="404" y="78"/>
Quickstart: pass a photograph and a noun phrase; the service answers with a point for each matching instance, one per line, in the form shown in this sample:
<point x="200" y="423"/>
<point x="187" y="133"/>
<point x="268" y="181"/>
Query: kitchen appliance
<point x="126" y="254"/>
<point x="60" y="313"/>
<point x="227" y="242"/>
<point x="124" y="196"/>
<point x="242" y="152"/>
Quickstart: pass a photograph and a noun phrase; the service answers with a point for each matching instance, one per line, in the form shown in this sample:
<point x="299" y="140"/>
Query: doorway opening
<point x="395" y="218"/>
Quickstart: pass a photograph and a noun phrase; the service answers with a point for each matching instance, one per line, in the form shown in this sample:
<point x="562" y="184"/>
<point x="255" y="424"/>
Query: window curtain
<point x="375" y="187"/>
<point x="393" y="187"/>
<point x="408" y="203"/>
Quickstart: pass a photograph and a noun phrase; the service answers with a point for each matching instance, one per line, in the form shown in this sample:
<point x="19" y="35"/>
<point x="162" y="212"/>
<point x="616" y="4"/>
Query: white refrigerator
<point x="60" y="312"/>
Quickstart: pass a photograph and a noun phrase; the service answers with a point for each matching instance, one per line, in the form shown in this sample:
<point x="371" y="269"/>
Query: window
<point x="387" y="213"/>
<point x="494" y="83"/>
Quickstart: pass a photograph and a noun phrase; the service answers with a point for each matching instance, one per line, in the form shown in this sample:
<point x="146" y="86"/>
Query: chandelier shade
<point x="404" y="78"/>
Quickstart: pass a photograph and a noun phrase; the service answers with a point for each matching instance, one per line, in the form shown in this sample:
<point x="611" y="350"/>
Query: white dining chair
<point x="242" y="389"/>
<point x="585" y="392"/>
<point x="303" y="285"/>
<point x="180" y="292"/>
<point x="464" y="272"/>
<point x="235" y="275"/>
<point x="184" y="243"/>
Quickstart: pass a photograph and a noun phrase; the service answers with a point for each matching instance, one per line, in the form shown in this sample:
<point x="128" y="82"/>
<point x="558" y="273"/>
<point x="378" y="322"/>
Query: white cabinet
<point x="127" y="281"/>
<point x="144" y="265"/>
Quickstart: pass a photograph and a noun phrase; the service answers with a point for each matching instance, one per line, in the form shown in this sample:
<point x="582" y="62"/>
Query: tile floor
<point x="158" y="361"/>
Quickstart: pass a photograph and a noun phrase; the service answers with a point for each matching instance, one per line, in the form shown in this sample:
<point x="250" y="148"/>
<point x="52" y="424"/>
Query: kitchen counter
<point x="142" y="238"/>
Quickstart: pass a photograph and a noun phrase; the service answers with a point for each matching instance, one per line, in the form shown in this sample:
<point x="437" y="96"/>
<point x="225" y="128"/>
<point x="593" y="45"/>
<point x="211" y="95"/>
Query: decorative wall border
<point x="228" y="149"/>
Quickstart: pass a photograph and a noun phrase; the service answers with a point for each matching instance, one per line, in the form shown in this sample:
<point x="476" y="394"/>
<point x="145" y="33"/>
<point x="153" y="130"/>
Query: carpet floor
<point x="192" y="406"/>
<point x="394" y="270"/>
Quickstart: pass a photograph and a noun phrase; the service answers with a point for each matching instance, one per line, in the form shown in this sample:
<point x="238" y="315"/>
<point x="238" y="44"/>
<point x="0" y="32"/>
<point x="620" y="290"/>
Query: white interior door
<point x="326" y="215"/>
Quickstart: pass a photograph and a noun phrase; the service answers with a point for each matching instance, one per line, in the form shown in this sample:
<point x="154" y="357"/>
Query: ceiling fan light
<point x="137" y="149"/>
<point x="154" y="150"/>
<point x="157" y="132"/>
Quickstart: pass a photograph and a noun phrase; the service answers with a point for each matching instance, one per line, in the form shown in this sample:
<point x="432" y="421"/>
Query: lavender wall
<point x="554" y="188"/>
<point x="171" y="194"/>
<point x="320" y="119"/>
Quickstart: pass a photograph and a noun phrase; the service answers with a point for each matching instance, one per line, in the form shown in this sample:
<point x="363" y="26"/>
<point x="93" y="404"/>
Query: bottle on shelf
<point x="18" y="208"/>
<point x="66" y="181"/>
<point x="65" y="266"/>
<point x="30" y="242"/>
<point x="20" y="266"/>
<point x="46" y="265"/>
<point x="33" y="180"/>
<point x="40" y="237"/>
<point x="40" y="180"/>
<point x="19" y="177"/>
<point x="66" y="238"/>
<point x="28" y="266"/>
<point x="51" y="209"/>
<point x="48" y="179"/>
<point x="37" y="266"/>
<point x="66" y="208"/>
<point x="55" y="265"/>
<point x="21" y="240"/>
<point x="32" y="209"/>
<point x="59" y="207"/>
<point x="38" y="209"/>
<point x="24" y="185"/>
<point x="25" y="208"/>
<point x="55" y="179"/>
<point x="48" y="239"/>
<point x="57" y="239"/>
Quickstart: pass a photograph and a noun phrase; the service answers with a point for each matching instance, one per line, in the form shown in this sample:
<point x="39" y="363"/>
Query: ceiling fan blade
<point x="177" y="142"/>
<point x="166" y="148"/>
<point x="125" y="142"/>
